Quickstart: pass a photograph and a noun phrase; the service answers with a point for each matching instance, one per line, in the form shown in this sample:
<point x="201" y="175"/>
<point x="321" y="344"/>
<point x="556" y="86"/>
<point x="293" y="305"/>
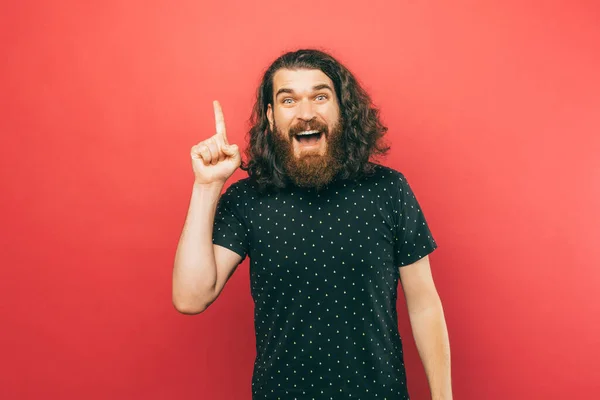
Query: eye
<point x="321" y="97"/>
<point x="287" y="100"/>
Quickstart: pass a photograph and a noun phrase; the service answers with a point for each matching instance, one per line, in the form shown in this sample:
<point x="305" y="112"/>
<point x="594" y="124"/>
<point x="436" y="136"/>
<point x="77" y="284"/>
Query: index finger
<point x="220" y="121"/>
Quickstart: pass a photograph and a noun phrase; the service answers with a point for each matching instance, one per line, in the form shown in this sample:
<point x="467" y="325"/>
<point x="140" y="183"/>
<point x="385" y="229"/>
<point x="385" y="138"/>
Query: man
<point x="329" y="234"/>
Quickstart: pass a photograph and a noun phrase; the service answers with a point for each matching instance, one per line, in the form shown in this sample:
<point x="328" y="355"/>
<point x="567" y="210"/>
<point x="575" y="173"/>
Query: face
<point x="305" y="121"/>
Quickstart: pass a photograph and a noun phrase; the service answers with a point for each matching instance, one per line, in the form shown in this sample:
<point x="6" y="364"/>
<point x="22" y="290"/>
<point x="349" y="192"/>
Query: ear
<point x="270" y="116"/>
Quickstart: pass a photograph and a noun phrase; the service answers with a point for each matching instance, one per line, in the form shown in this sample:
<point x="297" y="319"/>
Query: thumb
<point x="231" y="150"/>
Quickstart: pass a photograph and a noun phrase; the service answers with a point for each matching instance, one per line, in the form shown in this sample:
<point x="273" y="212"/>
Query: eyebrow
<point x="315" y="88"/>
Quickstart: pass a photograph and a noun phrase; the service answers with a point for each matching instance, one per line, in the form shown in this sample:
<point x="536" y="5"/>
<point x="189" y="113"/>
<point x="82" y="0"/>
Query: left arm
<point x="428" y="325"/>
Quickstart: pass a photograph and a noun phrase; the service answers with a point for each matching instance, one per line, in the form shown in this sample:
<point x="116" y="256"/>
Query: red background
<point x="493" y="109"/>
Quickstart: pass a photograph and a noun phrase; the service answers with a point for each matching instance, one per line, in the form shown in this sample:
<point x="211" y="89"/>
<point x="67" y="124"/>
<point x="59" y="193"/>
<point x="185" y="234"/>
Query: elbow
<point x="187" y="310"/>
<point x="191" y="300"/>
<point x="189" y="307"/>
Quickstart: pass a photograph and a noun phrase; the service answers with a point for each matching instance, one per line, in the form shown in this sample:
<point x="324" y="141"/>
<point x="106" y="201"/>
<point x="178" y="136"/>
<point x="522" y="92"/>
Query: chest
<point x="348" y="236"/>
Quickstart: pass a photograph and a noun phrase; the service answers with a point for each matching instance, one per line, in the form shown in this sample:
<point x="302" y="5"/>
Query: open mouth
<point x="308" y="138"/>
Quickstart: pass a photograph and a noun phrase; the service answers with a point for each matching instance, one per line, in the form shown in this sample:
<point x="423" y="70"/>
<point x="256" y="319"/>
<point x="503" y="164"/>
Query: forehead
<point x="300" y="80"/>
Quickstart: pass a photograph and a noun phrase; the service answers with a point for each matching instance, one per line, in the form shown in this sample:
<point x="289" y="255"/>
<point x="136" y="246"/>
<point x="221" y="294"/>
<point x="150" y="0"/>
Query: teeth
<point x="307" y="133"/>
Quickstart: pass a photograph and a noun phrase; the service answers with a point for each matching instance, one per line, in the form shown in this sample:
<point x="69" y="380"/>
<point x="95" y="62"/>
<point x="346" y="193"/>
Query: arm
<point x="428" y="325"/>
<point x="201" y="269"/>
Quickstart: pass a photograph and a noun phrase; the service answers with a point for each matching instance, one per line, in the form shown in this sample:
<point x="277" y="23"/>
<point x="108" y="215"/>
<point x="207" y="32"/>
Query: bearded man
<point x="329" y="234"/>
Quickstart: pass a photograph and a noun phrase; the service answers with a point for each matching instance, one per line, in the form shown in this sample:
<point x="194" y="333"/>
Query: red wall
<point x="494" y="116"/>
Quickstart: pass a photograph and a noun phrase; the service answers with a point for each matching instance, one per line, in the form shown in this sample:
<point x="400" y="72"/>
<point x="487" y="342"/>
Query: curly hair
<point x="362" y="129"/>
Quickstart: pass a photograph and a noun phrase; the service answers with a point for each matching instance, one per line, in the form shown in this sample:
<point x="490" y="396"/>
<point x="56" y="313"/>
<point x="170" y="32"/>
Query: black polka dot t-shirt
<point x="324" y="278"/>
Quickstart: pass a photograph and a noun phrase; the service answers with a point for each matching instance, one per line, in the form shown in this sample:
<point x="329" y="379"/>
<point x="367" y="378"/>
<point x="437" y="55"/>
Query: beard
<point x="310" y="170"/>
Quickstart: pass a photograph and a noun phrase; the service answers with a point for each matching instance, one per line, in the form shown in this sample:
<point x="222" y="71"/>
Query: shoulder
<point x="238" y="192"/>
<point x="244" y="192"/>
<point x="242" y="186"/>
<point x="392" y="182"/>
<point x="237" y="198"/>
<point x="388" y="176"/>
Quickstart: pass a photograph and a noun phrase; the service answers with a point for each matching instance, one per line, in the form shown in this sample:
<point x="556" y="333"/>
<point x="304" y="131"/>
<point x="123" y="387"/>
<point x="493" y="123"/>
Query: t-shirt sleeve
<point x="413" y="237"/>
<point x="229" y="229"/>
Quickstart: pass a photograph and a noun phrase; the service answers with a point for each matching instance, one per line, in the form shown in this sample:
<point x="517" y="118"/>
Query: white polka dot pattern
<point x="324" y="277"/>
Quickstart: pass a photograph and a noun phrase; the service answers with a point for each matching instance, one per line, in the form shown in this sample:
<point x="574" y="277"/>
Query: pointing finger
<point x="220" y="121"/>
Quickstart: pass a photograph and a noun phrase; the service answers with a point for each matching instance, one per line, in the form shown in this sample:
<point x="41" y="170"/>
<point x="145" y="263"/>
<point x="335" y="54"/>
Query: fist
<point x="214" y="160"/>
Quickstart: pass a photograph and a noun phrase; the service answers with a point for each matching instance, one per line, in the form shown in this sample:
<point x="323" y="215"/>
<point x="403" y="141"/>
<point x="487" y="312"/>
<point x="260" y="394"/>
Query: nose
<point x="306" y="110"/>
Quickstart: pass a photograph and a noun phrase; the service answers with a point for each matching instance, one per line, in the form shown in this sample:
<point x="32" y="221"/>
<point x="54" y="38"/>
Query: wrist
<point x="208" y="187"/>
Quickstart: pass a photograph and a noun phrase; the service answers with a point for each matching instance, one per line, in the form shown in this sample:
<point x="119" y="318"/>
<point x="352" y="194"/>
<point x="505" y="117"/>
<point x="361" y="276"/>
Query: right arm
<point x="201" y="268"/>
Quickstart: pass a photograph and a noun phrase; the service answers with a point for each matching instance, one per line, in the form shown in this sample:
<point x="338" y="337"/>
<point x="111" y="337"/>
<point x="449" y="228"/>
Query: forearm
<point x="194" y="271"/>
<point x="431" y="337"/>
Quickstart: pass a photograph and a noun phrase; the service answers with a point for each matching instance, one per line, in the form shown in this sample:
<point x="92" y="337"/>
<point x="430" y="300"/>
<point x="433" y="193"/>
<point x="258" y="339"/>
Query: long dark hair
<point x="362" y="129"/>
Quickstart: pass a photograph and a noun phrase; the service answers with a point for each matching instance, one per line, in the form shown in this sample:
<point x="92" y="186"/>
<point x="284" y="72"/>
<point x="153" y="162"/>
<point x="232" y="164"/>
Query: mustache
<point x="312" y="125"/>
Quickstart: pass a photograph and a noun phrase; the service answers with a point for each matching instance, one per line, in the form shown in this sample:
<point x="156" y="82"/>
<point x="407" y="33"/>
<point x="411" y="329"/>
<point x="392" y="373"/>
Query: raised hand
<point x="214" y="160"/>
